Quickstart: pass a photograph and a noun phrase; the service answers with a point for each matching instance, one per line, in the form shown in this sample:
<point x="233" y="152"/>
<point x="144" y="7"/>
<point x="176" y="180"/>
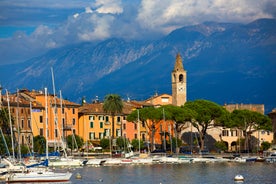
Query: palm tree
<point x="113" y="104"/>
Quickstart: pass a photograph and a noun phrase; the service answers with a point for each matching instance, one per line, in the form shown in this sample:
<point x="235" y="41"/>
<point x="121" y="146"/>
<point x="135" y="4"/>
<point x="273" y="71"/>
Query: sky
<point x="29" y="28"/>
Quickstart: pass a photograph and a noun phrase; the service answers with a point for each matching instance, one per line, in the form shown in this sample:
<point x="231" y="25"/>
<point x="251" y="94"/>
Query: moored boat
<point x="38" y="176"/>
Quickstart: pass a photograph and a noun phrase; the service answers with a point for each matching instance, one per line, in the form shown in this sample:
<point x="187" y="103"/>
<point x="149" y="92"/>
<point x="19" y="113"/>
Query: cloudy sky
<point x="30" y="27"/>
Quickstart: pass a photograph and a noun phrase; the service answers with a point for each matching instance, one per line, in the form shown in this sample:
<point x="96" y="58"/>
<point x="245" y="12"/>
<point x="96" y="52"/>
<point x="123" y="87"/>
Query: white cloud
<point x="76" y="15"/>
<point x="88" y="10"/>
<point x="109" y="6"/>
<point x="166" y="14"/>
<point x="97" y="28"/>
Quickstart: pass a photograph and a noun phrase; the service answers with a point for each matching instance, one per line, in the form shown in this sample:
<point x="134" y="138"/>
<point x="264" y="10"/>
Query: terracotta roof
<point x="97" y="108"/>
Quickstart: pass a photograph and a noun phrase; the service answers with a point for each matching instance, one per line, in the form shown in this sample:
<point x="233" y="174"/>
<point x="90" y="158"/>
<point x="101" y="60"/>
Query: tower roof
<point x="178" y="66"/>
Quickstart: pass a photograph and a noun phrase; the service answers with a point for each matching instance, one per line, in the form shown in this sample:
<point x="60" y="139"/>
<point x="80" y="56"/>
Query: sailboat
<point x="39" y="174"/>
<point x="63" y="161"/>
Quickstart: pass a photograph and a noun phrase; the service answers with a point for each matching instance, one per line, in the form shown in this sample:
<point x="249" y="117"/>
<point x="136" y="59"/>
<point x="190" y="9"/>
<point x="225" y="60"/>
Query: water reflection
<point x="199" y="173"/>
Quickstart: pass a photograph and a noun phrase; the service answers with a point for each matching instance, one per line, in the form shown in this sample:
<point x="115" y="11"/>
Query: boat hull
<point x="38" y="177"/>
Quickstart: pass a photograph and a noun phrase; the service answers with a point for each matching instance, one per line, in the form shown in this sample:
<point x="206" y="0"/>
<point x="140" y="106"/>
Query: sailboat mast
<point x="17" y="122"/>
<point x="46" y="125"/>
<point x="31" y="114"/>
<point x="138" y="116"/>
<point x="9" y="109"/>
<point x="55" y="108"/>
<point x="165" y="147"/>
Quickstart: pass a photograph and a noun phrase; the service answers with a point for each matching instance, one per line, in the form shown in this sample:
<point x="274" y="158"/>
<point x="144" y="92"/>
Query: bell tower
<point x="179" y="83"/>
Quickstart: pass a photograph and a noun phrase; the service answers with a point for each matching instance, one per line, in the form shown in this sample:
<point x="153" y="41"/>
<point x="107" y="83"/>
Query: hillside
<point x="226" y="63"/>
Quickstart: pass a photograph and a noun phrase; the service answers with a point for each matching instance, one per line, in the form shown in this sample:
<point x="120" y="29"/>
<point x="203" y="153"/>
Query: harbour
<point x="196" y="173"/>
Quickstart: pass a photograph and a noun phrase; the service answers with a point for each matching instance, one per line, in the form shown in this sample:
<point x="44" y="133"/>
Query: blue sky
<point x="31" y="27"/>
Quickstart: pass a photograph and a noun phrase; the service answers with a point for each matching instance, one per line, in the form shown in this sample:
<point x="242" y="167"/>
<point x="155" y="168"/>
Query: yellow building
<point x="95" y="124"/>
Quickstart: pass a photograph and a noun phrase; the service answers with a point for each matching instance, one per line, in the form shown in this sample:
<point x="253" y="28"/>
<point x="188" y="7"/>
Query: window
<point x="91" y="135"/>
<point x="29" y="123"/>
<point x="62" y="110"/>
<point x="101" y="124"/>
<point x="73" y="111"/>
<point x="135" y="136"/>
<point x="135" y="126"/>
<point x="56" y="133"/>
<point x="165" y="99"/>
<point x="181" y="78"/>
<point x="74" y="131"/>
<point x="101" y="118"/>
<point x="74" y="121"/>
<point x="118" y="132"/>
<point x="224" y="132"/>
<point x="101" y="135"/>
<point x="91" y="118"/>
<point x="22" y="123"/>
<point x="233" y="133"/>
<point x="106" y="132"/>
<point x="106" y="118"/>
<point x="41" y="131"/>
<point x="124" y="126"/>
<point x="40" y="119"/>
<point x="118" y="119"/>
<point x="143" y="137"/>
<point x="91" y="124"/>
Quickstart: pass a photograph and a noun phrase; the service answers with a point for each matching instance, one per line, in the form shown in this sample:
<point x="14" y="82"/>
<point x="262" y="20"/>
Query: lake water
<point x="194" y="173"/>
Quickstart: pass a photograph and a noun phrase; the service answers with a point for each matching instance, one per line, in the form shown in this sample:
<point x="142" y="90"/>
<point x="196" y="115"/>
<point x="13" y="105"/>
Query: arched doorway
<point x="234" y="146"/>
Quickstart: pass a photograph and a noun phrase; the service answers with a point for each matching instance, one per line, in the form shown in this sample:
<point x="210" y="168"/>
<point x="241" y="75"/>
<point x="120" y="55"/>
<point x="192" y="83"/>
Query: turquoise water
<point x="195" y="173"/>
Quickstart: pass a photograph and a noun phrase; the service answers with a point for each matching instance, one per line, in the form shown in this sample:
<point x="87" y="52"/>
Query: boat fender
<point x="239" y="178"/>
<point x="78" y="176"/>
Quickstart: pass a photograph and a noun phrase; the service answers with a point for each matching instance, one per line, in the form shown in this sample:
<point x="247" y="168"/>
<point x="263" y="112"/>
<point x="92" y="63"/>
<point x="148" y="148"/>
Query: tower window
<point x="181" y="78"/>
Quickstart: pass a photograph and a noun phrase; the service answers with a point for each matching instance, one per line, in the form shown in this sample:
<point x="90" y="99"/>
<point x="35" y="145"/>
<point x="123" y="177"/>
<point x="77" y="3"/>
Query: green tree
<point x="24" y="149"/>
<point x="149" y="116"/>
<point x="113" y="104"/>
<point x="3" y="148"/>
<point x="206" y="115"/>
<point x="4" y="121"/>
<point x="105" y="143"/>
<point x="180" y="116"/>
<point x="248" y="122"/>
<point x="221" y="145"/>
<point x="135" y="144"/>
<point x="39" y="144"/>
<point x="72" y="143"/>
<point x="265" y="145"/>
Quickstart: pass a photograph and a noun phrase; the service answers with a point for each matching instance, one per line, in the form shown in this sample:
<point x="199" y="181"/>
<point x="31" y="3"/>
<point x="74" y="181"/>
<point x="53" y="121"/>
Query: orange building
<point x="21" y="112"/>
<point x="62" y="116"/>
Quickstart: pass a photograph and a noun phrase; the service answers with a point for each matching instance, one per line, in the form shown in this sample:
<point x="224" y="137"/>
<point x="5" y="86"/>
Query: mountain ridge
<point x="226" y="63"/>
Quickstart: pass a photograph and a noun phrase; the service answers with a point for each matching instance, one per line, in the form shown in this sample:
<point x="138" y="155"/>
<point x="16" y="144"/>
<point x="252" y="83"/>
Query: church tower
<point x="179" y="83"/>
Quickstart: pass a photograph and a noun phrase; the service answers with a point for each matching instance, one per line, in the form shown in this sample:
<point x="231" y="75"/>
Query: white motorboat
<point x="169" y="159"/>
<point x="65" y="162"/>
<point x="182" y="159"/>
<point x="245" y="159"/>
<point x="38" y="176"/>
<point x="142" y="160"/>
<point x="112" y="161"/>
<point x="271" y="158"/>
<point x="95" y="162"/>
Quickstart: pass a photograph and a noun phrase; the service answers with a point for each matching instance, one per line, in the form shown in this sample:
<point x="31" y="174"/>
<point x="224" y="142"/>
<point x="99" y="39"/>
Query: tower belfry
<point x="179" y="83"/>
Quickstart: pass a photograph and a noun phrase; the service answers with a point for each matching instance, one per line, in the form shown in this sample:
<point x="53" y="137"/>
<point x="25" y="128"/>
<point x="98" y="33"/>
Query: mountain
<point x="225" y="63"/>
